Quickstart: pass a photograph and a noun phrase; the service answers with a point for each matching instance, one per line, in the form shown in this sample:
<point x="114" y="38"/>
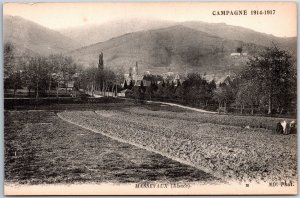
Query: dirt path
<point x="185" y="107"/>
<point x="177" y="105"/>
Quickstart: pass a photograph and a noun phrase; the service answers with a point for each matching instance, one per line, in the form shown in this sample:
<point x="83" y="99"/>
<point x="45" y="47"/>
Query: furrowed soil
<point x="218" y="144"/>
<point x="41" y="148"/>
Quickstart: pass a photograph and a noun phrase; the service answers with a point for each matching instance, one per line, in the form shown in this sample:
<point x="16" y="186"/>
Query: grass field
<point x="42" y="148"/>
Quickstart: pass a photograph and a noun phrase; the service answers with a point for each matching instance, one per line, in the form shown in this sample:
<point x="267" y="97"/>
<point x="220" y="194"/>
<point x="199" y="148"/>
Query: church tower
<point x="100" y="64"/>
<point x="130" y="71"/>
<point x="135" y="69"/>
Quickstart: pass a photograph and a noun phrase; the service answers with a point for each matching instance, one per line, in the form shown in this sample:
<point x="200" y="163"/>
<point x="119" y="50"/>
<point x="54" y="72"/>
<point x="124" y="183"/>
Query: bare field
<point x="42" y="148"/>
<point x="217" y="144"/>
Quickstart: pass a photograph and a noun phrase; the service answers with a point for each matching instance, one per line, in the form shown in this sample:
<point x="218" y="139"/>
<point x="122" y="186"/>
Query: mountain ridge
<point x="241" y="33"/>
<point x="228" y="31"/>
<point x="182" y="46"/>
<point x="174" y="48"/>
<point x="29" y="35"/>
<point x="105" y="31"/>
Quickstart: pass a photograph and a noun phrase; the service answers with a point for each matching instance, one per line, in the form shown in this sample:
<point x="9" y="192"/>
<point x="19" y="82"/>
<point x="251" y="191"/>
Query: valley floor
<point x="40" y="148"/>
<point x="152" y="142"/>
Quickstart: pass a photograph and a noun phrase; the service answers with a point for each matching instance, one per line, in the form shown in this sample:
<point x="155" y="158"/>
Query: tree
<point x="119" y="78"/>
<point x="223" y="95"/>
<point x="101" y="80"/>
<point x="12" y="71"/>
<point x="239" y="49"/>
<point x="61" y="70"/>
<point x="67" y="69"/>
<point x="219" y="95"/>
<point x="272" y="70"/>
<point x="142" y="87"/>
<point x="54" y="74"/>
<point x="88" y="79"/>
<point x="41" y="73"/>
<point x="248" y="95"/>
<point x="109" y="80"/>
<point x="139" y="92"/>
<point x="197" y="90"/>
<point x="105" y="80"/>
<point x="36" y="74"/>
<point x="125" y="85"/>
<point x="160" y="90"/>
<point x="131" y="85"/>
<point x="150" y="90"/>
<point x="9" y="59"/>
<point x="13" y="81"/>
<point x="211" y="87"/>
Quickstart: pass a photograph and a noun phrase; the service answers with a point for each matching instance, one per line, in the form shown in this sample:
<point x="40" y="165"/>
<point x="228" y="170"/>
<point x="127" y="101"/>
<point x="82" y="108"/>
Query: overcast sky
<point x="63" y="15"/>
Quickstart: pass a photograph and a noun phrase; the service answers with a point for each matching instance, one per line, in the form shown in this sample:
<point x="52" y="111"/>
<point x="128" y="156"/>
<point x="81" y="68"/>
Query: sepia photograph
<point x="150" y="98"/>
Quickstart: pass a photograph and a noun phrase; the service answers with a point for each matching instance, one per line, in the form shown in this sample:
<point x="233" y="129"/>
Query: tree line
<point x="41" y="74"/>
<point x="104" y="80"/>
<point x="267" y="85"/>
<point x="269" y="82"/>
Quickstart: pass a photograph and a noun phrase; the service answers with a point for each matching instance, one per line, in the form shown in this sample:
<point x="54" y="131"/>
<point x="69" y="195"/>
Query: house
<point x="66" y="85"/>
<point x="159" y="82"/>
<point x="124" y="93"/>
<point x="132" y="76"/>
<point x="147" y="73"/>
<point x="146" y="83"/>
<point x="235" y="54"/>
<point x="147" y="78"/>
<point x="167" y="75"/>
<point x="70" y="84"/>
<point x="224" y="80"/>
<point x="178" y="79"/>
<point x="137" y="77"/>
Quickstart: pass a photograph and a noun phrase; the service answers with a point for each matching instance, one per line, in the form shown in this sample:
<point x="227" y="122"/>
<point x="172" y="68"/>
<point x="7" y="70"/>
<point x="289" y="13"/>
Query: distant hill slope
<point x="29" y="36"/>
<point x="176" y="48"/>
<point x="242" y="34"/>
<point x="90" y="34"/>
<point x="158" y="46"/>
<point x="87" y="35"/>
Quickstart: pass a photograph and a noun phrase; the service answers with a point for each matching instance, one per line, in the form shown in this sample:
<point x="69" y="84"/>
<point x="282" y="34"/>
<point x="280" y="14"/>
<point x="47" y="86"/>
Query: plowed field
<point x="219" y="145"/>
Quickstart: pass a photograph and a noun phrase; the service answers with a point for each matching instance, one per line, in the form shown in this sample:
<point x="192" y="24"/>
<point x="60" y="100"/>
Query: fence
<point x="101" y="93"/>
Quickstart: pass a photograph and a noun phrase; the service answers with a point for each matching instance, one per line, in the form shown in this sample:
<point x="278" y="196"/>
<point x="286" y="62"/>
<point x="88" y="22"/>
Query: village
<point x="134" y="78"/>
<point x="118" y="97"/>
<point x="222" y="94"/>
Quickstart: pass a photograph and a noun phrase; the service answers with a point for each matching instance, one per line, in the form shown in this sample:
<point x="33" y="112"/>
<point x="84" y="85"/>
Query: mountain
<point x="176" y="48"/>
<point x="182" y="46"/>
<point x="158" y="46"/>
<point x="243" y="34"/>
<point x="32" y="37"/>
<point x="90" y="34"/>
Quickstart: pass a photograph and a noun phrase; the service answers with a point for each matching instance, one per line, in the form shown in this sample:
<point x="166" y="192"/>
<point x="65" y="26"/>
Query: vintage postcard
<point x="150" y="98"/>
